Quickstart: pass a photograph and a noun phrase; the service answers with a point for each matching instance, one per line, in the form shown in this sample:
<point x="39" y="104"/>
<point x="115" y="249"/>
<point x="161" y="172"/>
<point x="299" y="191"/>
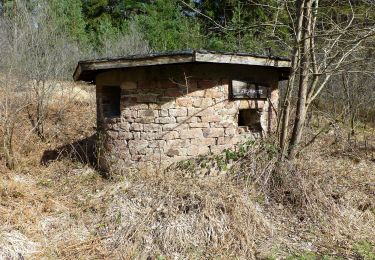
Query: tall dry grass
<point x="61" y="207"/>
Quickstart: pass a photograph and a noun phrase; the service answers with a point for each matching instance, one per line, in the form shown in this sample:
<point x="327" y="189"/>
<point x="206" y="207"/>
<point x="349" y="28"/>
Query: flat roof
<point x="88" y="69"/>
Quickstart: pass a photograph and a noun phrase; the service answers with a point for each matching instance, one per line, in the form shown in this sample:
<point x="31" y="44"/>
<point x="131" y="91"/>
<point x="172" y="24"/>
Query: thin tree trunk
<point x="8" y="145"/>
<point x="285" y="111"/>
<point x="300" y="117"/>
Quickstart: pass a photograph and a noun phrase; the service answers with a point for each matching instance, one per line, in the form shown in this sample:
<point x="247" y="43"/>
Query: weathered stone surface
<point x="191" y="133"/>
<point x="230" y="131"/>
<point x="137" y="107"/>
<point x="125" y="135"/>
<point x="137" y="145"/>
<point x="165" y="120"/>
<point x="210" y="119"/>
<point x="154" y="106"/>
<point x="184" y="102"/>
<point x="168" y="127"/>
<point x="144" y="120"/>
<point x="163" y="112"/>
<point x="127" y="114"/>
<point x="203" y="141"/>
<point x="147" y="113"/>
<point x="150" y="136"/>
<point x="175" y="152"/>
<point x="170" y="135"/>
<point x="186" y="120"/>
<point x="199" y="125"/>
<point x="195" y="150"/>
<point x="182" y="111"/>
<point x="214" y="93"/>
<point x="136" y="127"/>
<point x="213" y="132"/>
<point x="157" y="144"/>
<point x="152" y="128"/>
<point x="196" y="93"/>
<point x="203" y="102"/>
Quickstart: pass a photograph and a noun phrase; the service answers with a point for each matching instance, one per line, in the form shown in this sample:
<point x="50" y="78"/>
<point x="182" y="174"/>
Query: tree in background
<point x="324" y="46"/>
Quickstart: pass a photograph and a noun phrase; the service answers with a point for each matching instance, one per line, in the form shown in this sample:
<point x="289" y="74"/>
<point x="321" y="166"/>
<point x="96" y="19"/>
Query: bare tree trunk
<point x="300" y="117"/>
<point x="285" y="111"/>
<point x="8" y="144"/>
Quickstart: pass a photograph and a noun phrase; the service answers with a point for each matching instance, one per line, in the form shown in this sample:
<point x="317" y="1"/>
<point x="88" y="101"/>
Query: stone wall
<point x="163" y="121"/>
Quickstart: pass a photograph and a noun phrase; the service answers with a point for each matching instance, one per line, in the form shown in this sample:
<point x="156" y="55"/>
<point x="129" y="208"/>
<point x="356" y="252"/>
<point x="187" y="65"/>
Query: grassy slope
<point x="322" y="205"/>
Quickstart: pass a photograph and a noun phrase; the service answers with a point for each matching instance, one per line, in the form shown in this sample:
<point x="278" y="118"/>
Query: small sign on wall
<point x="247" y="90"/>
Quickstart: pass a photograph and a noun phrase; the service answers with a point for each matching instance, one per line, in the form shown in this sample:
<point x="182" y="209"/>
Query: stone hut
<point x="161" y="108"/>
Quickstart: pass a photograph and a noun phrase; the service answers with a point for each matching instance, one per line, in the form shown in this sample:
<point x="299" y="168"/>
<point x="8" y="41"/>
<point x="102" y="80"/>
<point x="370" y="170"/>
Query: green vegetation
<point x="234" y="25"/>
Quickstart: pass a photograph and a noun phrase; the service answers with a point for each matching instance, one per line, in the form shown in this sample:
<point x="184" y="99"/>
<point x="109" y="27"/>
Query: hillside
<point x="56" y="205"/>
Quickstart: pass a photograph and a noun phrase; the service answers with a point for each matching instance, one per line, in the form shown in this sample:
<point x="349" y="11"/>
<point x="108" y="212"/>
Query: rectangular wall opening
<point x="250" y="118"/>
<point x="111" y="97"/>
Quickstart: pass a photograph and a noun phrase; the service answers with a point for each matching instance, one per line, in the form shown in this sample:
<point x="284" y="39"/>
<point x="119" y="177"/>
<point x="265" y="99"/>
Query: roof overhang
<point x="87" y="70"/>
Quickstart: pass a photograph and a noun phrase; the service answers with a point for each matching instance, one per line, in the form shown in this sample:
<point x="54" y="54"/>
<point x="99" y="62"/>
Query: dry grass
<point x="323" y="203"/>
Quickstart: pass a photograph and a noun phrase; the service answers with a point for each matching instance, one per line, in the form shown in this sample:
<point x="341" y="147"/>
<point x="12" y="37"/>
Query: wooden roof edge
<point x="178" y="58"/>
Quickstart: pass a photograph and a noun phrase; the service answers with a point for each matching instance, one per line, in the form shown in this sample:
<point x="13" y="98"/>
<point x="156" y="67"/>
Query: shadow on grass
<point x="82" y="151"/>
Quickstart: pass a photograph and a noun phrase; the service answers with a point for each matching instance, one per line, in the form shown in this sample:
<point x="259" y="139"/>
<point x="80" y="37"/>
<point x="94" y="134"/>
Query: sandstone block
<point x="125" y="135"/>
<point x="165" y="120"/>
<point x="170" y="135"/>
<point x="136" y="127"/>
<point x="191" y="133"/>
<point x="224" y="123"/>
<point x="149" y="98"/>
<point x="184" y="119"/>
<point x="147" y="113"/>
<point x="112" y="134"/>
<point x="154" y="106"/>
<point x="199" y="125"/>
<point x="210" y="119"/>
<point x="227" y="140"/>
<point x="144" y="120"/>
<point x="213" y="93"/>
<point x="136" y="135"/>
<point x="230" y="131"/>
<point x="125" y="126"/>
<point x="150" y="136"/>
<point x="184" y="102"/>
<point x="204" y="141"/>
<point x="220" y="148"/>
<point x="196" y="93"/>
<point x="157" y="144"/>
<point x="172" y="152"/>
<point x="138" y="107"/>
<point x="126" y="113"/>
<point x="182" y="111"/>
<point x="167" y="102"/>
<point x="203" y="102"/>
<point x="168" y="127"/>
<point x="213" y="132"/>
<point x="177" y="143"/>
<point x="195" y="150"/>
<point x="163" y="112"/>
<point x="152" y="128"/>
<point x="193" y="111"/>
<point x="137" y="145"/>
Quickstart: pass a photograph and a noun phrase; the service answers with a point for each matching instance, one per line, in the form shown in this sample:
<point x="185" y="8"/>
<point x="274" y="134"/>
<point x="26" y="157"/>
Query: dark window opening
<point x="111" y="101"/>
<point x="250" y="119"/>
